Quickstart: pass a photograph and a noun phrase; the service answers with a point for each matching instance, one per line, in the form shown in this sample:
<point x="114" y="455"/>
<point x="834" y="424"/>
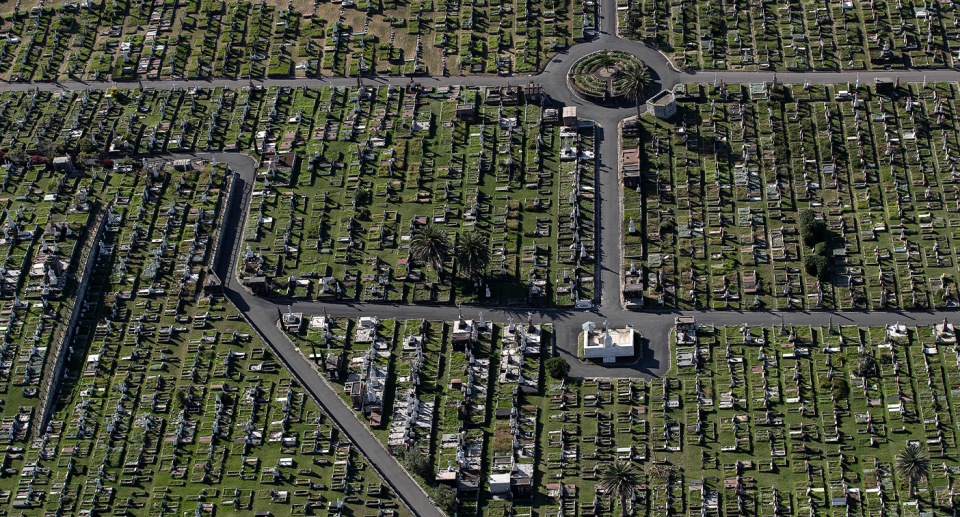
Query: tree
<point x="817" y="266"/>
<point x="86" y="146"/>
<point x="821" y="250"/>
<point x="472" y="254"/>
<point x="17" y="156"/>
<point x="621" y="479"/>
<point x="913" y="464"/>
<point x="446" y="499"/>
<point x="50" y="149"/>
<point x="812" y="231"/>
<point x="416" y="462"/>
<point x="558" y="367"/>
<point x="605" y="60"/>
<point x="430" y="244"/>
<point x="636" y="83"/>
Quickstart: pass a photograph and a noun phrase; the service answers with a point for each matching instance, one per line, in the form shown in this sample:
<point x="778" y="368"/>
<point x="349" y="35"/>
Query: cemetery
<point x="198" y="39"/>
<point x="168" y="402"/>
<point x="796" y="36"/>
<point x="464" y="393"/>
<point x="360" y="172"/>
<point x="766" y="196"/>
<point x="350" y="174"/>
<point x="807" y="418"/>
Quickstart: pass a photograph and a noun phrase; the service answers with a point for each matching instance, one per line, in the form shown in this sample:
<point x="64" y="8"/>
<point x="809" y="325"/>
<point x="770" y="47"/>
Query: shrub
<point x="817" y="266"/>
<point x="416" y="463"/>
<point x="558" y="367"/>
<point x="812" y="231"/>
<point x="446" y="499"/>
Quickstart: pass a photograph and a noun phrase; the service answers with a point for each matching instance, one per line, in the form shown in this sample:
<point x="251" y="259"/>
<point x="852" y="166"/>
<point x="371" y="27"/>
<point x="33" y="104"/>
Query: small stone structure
<point x="663" y="105"/>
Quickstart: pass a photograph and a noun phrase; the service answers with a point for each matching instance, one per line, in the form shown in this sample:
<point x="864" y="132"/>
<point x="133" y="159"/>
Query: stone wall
<point x="52" y="376"/>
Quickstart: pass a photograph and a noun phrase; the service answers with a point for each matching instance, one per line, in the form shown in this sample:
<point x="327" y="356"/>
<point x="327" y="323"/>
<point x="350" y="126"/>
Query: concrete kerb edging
<point x="667" y="59"/>
<point x="620" y="247"/>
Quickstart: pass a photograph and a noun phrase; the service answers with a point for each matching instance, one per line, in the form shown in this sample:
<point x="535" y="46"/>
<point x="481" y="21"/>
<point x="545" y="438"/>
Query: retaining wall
<point x="50" y="384"/>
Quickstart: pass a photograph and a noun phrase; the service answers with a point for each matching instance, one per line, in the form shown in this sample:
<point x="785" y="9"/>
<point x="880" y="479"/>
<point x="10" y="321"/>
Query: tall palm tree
<point x="472" y="254"/>
<point x="913" y="464"/>
<point x="620" y="478"/>
<point x="430" y="244"/>
<point x="636" y="83"/>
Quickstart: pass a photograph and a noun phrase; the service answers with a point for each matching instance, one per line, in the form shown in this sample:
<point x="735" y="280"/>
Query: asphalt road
<point x="262" y="313"/>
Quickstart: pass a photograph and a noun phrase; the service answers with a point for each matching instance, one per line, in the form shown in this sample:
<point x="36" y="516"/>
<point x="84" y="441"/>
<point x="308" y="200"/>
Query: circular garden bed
<point x="598" y="76"/>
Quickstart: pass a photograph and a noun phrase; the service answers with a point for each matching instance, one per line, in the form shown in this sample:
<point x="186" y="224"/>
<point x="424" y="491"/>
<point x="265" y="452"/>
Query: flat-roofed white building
<point x="607" y="344"/>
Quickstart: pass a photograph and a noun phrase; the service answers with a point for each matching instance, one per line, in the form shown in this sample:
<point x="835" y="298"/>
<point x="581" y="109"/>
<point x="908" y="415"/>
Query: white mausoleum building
<point x="607" y="344"/>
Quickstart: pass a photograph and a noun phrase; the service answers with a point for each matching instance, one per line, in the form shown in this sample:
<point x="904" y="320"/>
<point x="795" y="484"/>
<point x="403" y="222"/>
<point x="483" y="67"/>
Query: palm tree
<point x="636" y="83"/>
<point x="472" y="254"/>
<point x="430" y="244"/>
<point x="913" y="464"/>
<point x="620" y="478"/>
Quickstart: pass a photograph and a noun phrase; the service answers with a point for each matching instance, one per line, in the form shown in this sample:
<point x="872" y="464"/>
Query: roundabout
<point x="608" y="76"/>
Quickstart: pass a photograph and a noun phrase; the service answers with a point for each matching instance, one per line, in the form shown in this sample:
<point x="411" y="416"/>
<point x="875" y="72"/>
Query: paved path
<point x="262" y="314"/>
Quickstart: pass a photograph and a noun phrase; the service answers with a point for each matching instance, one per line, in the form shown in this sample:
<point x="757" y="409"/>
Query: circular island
<point x="608" y="76"/>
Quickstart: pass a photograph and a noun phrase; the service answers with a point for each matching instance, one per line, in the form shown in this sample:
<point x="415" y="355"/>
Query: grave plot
<point x="47" y="219"/>
<point x="589" y="424"/>
<point x="132" y="39"/>
<point x="169" y="401"/>
<point x="335" y="208"/>
<point x="806" y="196"/>
<point x="388" y="371"/>
<point x="803" y="35"/>
<point x="807" y="418"/>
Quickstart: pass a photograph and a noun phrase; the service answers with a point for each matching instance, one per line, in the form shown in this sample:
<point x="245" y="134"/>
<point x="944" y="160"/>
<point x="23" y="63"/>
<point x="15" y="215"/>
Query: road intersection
<point x="262" y="313"/>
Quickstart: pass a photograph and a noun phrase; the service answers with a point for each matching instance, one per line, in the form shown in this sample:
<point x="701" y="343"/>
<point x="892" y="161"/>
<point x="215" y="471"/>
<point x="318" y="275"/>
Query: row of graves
<point x="803" y="35"/>
<point x="46" y="219"/>
<point x="590" y="423"/>
<point x="336" y="222"/>
<point x="729" y="179"/>
<point x="800" y="420"/>
<point x="464" y="409"/>
<point x="492" y="464"/>
<point x="41" y="126"/>
<point x="193" y="40"/>
<point x="190" y="117"/>
<point x="170" y="403"/>
<point x="391" y="387"/>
